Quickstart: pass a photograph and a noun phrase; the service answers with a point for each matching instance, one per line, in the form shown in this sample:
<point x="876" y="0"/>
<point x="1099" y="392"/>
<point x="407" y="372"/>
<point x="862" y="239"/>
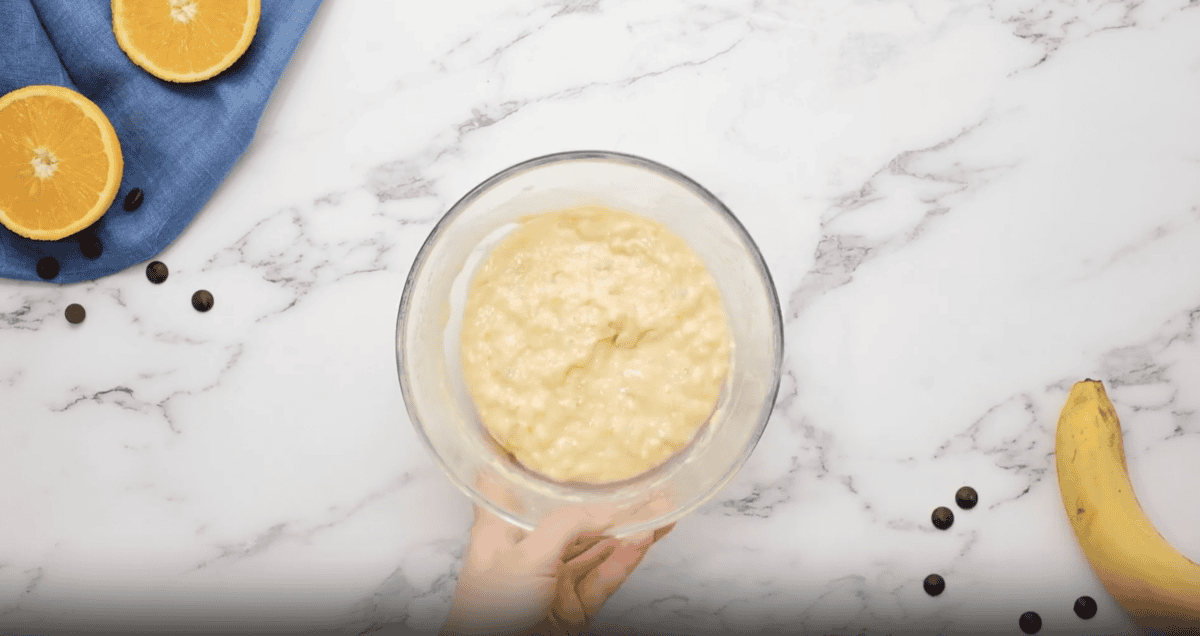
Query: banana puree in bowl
<point x="594" y="344"/>
<point x="589" y="329"/>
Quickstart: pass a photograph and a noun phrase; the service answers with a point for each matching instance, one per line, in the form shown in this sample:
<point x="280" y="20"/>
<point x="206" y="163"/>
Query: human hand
<point x="585" y="582"/>
<point x="552" y="580"/>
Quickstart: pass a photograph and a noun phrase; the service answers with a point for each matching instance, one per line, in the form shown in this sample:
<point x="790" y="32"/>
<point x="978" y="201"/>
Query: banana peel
<point x="1150" y="579"/>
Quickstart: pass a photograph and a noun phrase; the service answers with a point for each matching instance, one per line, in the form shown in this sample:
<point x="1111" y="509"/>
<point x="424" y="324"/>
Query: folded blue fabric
<point x="179" y="140"/>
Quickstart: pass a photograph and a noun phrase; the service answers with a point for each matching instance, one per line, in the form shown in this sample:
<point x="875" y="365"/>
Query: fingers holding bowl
<point x="597" y="584"/>
<point x="488" y="525"/>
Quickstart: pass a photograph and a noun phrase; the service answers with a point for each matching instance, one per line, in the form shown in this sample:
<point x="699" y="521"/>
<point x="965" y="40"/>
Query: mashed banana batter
<point x="594" y="344"/>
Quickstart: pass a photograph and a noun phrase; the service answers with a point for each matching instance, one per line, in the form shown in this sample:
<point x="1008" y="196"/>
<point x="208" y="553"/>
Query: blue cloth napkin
<point x="179" y="140"/>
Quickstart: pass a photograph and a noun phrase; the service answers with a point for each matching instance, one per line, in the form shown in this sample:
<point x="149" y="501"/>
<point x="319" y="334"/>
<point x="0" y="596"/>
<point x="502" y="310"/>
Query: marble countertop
<point x="966" y="208"/>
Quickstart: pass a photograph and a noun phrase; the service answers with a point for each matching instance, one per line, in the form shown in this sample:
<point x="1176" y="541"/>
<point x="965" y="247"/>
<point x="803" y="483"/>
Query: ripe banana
<point x="1150" y="579"/>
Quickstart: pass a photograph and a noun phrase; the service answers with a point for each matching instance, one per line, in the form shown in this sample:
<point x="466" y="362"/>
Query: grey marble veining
<point x="966" y="208"/>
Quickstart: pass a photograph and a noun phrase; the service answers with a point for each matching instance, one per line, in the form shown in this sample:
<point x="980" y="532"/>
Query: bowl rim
<point x="419" y="263"/>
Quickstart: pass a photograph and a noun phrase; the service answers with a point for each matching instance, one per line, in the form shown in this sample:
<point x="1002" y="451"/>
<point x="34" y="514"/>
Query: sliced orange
<point x="60" y="162"/>
<point x="185" y="40"/>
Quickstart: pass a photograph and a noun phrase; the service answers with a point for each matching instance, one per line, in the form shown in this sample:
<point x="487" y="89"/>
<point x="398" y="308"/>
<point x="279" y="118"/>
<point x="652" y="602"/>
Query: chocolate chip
<point x="47" y="268"/>
<point x="934" y="584"/>
<point x="202" y="300"/>
<point x="966" y="497"/>
<point x="156" y="272"/>
<point x="133" y="200"/>
<point x="943" y="518"/>
<point x="1030" y="622"/>
<point x="75" y="313"/>
<point x="1085" y="607"/>
<point x="90" y="245"/>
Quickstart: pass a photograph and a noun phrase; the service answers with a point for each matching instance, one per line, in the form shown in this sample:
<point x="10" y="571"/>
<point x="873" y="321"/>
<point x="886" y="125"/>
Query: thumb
<point x="544" y="546"/>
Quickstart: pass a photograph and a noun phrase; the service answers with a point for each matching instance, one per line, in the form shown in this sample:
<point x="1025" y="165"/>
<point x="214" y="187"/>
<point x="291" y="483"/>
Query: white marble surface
<point x="966" y="206"/>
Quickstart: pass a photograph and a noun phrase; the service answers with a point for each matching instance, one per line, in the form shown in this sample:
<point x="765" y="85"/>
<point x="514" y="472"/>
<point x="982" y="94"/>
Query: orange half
<point x="185" y="40"/>
<point x="60" y="162"/>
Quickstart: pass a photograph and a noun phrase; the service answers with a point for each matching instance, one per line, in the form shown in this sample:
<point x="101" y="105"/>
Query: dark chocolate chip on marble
<point x="943" y="518"/>
<point x="1085" y="607"/>
<point x="156" y="272"/>
<point x="133" y="200"/>
<point x="202" y="300"/>
<point x="934" y="584"/>
<point x="47" y="268"/>
<point x="966" y="497"/>
<point x="75" y="313"/>
<point x="90" y="245"/>
<point x="1030" y="622"/>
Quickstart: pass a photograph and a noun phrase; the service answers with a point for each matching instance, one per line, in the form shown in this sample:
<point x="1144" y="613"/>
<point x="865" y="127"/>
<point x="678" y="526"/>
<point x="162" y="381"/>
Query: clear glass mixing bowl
<point x="430" y="318"/>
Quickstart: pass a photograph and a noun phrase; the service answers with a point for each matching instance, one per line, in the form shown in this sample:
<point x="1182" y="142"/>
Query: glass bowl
<point x="430" y="319"/>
